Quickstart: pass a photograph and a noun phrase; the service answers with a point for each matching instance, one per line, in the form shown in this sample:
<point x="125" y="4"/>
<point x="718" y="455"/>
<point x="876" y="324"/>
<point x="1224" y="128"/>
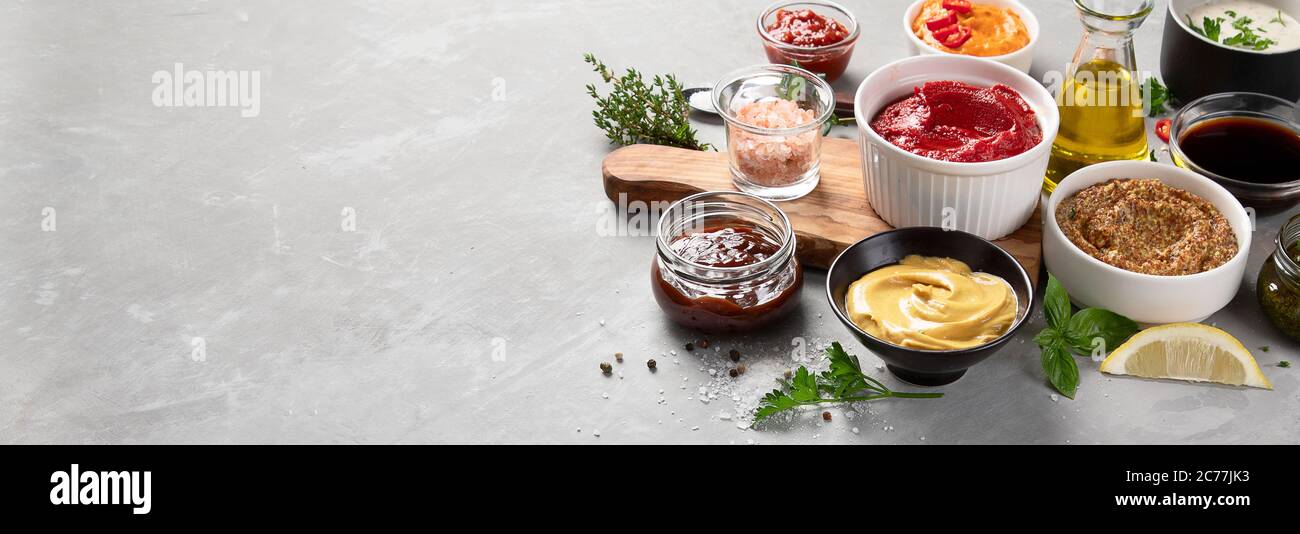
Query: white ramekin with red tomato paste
<point x="986" y="183"/>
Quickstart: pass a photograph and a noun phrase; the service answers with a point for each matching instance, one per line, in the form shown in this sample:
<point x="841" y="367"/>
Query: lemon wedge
<point x="1186" y="351"/>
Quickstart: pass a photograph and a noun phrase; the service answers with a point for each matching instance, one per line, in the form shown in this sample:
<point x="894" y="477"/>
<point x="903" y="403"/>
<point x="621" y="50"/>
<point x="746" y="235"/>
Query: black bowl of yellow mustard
<point x="929" y="302"/>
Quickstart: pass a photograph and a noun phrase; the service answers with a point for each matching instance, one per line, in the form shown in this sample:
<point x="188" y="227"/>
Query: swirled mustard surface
<point x="932" y="304"/>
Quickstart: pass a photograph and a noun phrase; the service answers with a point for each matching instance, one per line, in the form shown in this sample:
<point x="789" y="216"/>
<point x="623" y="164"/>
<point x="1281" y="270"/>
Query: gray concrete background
<point x="476" y="296"/>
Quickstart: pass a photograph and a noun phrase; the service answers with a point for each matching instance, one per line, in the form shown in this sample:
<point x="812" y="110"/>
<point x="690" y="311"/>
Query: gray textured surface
<point x="468" y="304"/>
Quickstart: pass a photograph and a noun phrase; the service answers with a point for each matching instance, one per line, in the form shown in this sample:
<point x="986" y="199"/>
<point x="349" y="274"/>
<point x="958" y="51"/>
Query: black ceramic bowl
<point x="927" y="367"/>
<point x="1193" y="67"/>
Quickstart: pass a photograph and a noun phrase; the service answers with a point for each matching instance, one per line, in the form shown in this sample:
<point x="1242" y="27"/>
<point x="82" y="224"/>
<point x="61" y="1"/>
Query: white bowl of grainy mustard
<point x="1156" y="246"/>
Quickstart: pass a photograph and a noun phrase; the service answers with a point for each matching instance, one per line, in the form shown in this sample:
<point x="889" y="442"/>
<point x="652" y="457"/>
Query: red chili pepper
<point x="941" y="21"/>
<point x="960" y="6"/>
<point x="943" y="33"/>
<point x="957" y="39"/>
<point x="1162" y="129"/>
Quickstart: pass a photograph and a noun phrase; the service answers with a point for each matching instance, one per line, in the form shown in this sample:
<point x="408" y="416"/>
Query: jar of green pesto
<point x="1279" y="281"/>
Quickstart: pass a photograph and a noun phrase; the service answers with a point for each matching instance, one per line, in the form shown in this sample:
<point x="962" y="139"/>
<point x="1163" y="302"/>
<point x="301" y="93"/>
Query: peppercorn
<point x="741" y="368"/>
<point x="690" y="346"/>
<point x="826" y="416"/>
<point x="606" y="368"/>
<point x="788" y="374"/>
<point x="735" y="355"/>
<point x="733" y="373"/>
<point x="703" y="343"/>
<point x="618" y="356"/>
<point x="651" y="363"/>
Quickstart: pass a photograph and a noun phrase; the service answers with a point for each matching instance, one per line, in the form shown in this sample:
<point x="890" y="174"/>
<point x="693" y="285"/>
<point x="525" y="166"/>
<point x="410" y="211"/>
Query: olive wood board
<point x="833" y="216"/>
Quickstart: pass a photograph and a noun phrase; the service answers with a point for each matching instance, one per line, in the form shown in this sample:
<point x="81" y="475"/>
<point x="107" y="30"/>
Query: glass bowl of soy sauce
<point x="1247" y="142"/>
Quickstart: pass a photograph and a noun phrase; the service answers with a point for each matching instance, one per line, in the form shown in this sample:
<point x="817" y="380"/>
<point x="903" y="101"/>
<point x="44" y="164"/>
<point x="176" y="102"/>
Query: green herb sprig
<point x="639" y="112"/>
<point x="792" y="88"/>
<point x="1077" y="333"/>
<point x="1210" y="27"/>
<point x="1246" y="37"/>
<point x="1157" y="94"/>
<point x="843" y="382"/>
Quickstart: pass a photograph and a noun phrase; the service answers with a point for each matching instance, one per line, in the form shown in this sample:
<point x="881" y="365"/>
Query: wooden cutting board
<point x="826" y="221"/>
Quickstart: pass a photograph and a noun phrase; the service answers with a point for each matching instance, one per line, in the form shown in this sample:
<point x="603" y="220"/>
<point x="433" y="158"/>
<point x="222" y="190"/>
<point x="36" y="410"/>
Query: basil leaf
<point x="1093" y="323"/>
<point x="1057" y="304"/>
<point x="1048" y="337"/>
<point x="1061" y="369"/>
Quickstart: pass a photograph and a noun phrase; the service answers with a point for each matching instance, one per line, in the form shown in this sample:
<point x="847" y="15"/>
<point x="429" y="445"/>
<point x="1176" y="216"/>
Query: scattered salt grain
<point x="1055" y="397"/>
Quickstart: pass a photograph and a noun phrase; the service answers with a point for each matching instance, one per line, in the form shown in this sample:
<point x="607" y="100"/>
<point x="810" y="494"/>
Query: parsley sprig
<point x="1157" y="95"/>
<point x="640" y="112"/>
<point x="1210" y="27"/>
<point x="1080" y="333"/>
<point x="843" y="382"/>
<point x="1246" y="36"/>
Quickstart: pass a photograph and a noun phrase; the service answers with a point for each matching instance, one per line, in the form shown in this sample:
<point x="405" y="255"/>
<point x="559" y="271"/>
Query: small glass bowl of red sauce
<point x="725" y="262"/>
<point x="819" y="36"/>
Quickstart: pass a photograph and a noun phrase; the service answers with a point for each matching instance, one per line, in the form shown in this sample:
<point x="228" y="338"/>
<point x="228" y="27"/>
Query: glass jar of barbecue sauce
<point x="725" y="262"/>
<point x="1278" y="286"/>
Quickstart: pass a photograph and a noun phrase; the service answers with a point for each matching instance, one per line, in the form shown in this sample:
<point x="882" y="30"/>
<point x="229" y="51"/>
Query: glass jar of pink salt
<point x="774" y="116"/>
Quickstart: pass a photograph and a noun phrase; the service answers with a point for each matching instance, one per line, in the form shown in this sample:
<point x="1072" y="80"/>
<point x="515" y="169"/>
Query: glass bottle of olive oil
<point x="1100" y="101"/>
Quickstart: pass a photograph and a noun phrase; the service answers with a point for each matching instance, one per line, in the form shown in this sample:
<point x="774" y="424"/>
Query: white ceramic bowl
<point x="1145" y="298"/>
<point x="1020" y="59"/>
<point x="990" y="199"/>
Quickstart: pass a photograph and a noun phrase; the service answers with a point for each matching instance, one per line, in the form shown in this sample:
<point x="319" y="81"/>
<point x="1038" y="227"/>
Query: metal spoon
<point x="700" y="98"/>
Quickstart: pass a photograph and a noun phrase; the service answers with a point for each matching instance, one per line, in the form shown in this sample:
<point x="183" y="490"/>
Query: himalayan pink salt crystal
<point x="774" y="160"/>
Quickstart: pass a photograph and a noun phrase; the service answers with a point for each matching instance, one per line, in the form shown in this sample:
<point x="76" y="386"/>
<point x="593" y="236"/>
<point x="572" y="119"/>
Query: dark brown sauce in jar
<point x="1242" y="148"/>
<point x="704" y="284"/>
<point x="725" y="246"/>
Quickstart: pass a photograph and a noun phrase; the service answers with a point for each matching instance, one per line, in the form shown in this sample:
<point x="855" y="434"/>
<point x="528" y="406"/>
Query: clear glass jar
<point x="1100" y="102"/>
<point x="829" y="60"/>
<point x="1278" y="286"/>
<point x="1269" y="111"/>
<point x="725" y="262"/>
<point x="774" y="163"/>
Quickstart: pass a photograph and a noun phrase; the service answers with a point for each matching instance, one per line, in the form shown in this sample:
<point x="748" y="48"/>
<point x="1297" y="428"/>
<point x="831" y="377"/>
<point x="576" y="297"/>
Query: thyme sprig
<point x="635" y="111"/>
